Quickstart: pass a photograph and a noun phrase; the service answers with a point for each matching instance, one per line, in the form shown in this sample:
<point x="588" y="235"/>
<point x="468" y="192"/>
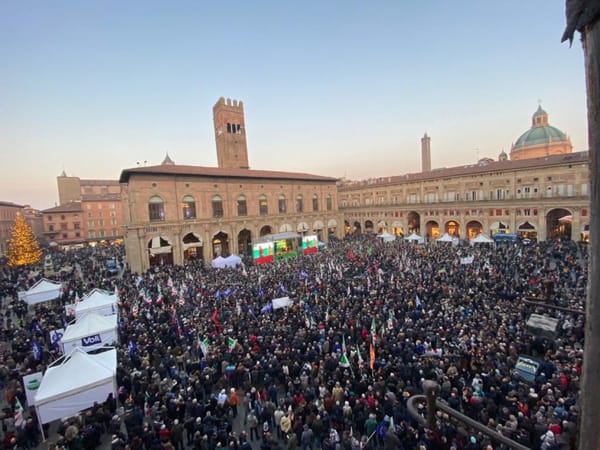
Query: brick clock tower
<point x="230" y="134"/>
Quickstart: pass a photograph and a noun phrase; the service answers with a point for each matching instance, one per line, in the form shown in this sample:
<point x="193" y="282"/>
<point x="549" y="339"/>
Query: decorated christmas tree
<point x="23" y="248"/>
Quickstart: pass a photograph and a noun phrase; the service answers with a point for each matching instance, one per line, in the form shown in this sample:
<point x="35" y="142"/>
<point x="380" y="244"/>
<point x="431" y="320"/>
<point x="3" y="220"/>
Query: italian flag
<point x="18" y="417"/>
<point x="204" y="345"/>
<point x="231" y="343"/>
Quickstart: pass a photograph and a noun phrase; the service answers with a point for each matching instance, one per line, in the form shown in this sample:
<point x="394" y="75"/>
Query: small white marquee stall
<point x="97" y="301"/>
<point x="89" y="332"/>
<point x="42" y="291"/>
<point x="74" y="383"/>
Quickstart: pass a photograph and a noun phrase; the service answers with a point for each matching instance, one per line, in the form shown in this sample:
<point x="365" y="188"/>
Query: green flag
<point x="204" y="346"/>
<point x="360" y="359"/>
<point x="344" y="361"/>
<point x="231" y="343"/>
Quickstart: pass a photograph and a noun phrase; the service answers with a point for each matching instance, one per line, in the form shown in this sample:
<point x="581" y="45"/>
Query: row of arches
<point x="162" y="249"/>
<point x="556" y="227"/>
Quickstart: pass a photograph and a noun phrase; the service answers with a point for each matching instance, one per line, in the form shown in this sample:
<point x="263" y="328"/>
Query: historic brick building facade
<point x="543" y="192"/>
<point x="89" y="212"/>
<point x="176" y="212"/>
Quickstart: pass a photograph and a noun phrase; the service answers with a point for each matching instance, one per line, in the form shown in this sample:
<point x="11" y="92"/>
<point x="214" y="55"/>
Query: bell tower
<point x="425" y="153"/>
<point x="230" y="134"/>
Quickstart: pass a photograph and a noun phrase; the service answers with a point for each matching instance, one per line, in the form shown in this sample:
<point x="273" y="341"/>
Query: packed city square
<point x="207" y="359"/>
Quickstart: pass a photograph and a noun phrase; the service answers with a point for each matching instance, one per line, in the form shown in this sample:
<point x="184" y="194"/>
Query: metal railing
<point x="433" y="404"/>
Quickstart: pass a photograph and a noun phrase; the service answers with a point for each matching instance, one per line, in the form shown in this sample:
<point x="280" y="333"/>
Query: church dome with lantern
<point x="541" y="139"/>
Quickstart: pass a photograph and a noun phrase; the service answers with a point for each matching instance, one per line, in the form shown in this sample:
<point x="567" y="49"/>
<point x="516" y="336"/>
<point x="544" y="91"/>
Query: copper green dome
<point x="540" y="135"/>
<point x="540" y="132"/>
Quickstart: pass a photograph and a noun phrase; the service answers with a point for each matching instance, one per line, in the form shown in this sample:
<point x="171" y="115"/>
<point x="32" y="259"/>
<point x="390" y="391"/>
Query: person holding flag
<point x="19" y="415"/>
<point x="373" y="331"/>
<point x="231" y="343"/>
<point x="204" y="346"/>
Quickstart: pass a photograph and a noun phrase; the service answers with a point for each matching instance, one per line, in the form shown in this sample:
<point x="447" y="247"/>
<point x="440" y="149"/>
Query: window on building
<point x="299" y="205"/>
<point x="560" y="190"/>
<point x="113" y="214"/>
<point x="242" y="207"/>
<point x="64" y="226"/>
<point x="77" y="234"/>
<point x="217" y="206"/>
<point x="101" y="222"/>
<point x="114" y="232"/>
<point x="328" y="202"/>
<point x="62" y="217"/>
<point x="188" y="207"/>
<point x="101" y="233"/>
<point x="111" y="206"/>
<point x="156" y="209"/>
<point x="584" y="191"/>
<point x="281" y="204"/>
<point x="549" y="191"/>
<point x="92" y="234"/>
<point x="50" y="217"/>
<point x="113" y="221"/>
<point x="315" y="202"/>
<point x="77" y="226"/>
<point x="263" y="208"/>
<point x="50" y="227"/>
<point x="570" y="190"/>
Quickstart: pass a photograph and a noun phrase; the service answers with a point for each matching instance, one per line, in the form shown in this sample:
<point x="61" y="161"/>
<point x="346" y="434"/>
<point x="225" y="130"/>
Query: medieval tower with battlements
<point x="230" y="134"/>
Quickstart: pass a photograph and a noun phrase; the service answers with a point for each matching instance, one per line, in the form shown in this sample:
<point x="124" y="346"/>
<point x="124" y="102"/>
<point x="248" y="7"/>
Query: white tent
<point x="218" y="262"/>
<point x="386" y="237"/>
<point x="90" y="332"/>
<point x="98" y="301"/>
<point x="75" y="382"/>
<point x="42" y="291"/>
<point x="481" y="239"/>
<point x="231" y="261"/>
<point x="414" y="237"/>
<point x="445" y="238"/>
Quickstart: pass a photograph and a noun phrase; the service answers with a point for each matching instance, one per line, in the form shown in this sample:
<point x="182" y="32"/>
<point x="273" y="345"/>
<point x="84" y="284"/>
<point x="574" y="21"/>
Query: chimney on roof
<point x="425" y="153"/>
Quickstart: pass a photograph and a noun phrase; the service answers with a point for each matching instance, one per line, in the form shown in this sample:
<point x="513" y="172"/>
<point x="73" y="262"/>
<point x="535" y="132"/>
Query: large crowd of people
<point x="206" y="360"/>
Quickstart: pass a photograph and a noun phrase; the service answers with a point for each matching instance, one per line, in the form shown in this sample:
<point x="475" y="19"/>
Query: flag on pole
<point x="371" y="356"/>
<point x="373" y="331"/>
<point x="390" y="321"/>
<point x="131" y="348"/>
<point x="19" y="411"/>
<point x="231" y="343"/>
<point x="361" y="361"/>
<point x="344" y="360"/>
<point x="204" y="345"/>
<point x="37" y="350"/>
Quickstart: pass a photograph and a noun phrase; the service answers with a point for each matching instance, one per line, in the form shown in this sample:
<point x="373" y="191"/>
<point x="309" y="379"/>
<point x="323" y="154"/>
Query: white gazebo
<point x="98" y="301"/>
<point x="42" y="291"/>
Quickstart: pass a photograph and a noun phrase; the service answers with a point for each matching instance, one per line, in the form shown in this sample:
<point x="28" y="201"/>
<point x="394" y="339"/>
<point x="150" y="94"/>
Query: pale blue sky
<point x="337" y="88"/>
